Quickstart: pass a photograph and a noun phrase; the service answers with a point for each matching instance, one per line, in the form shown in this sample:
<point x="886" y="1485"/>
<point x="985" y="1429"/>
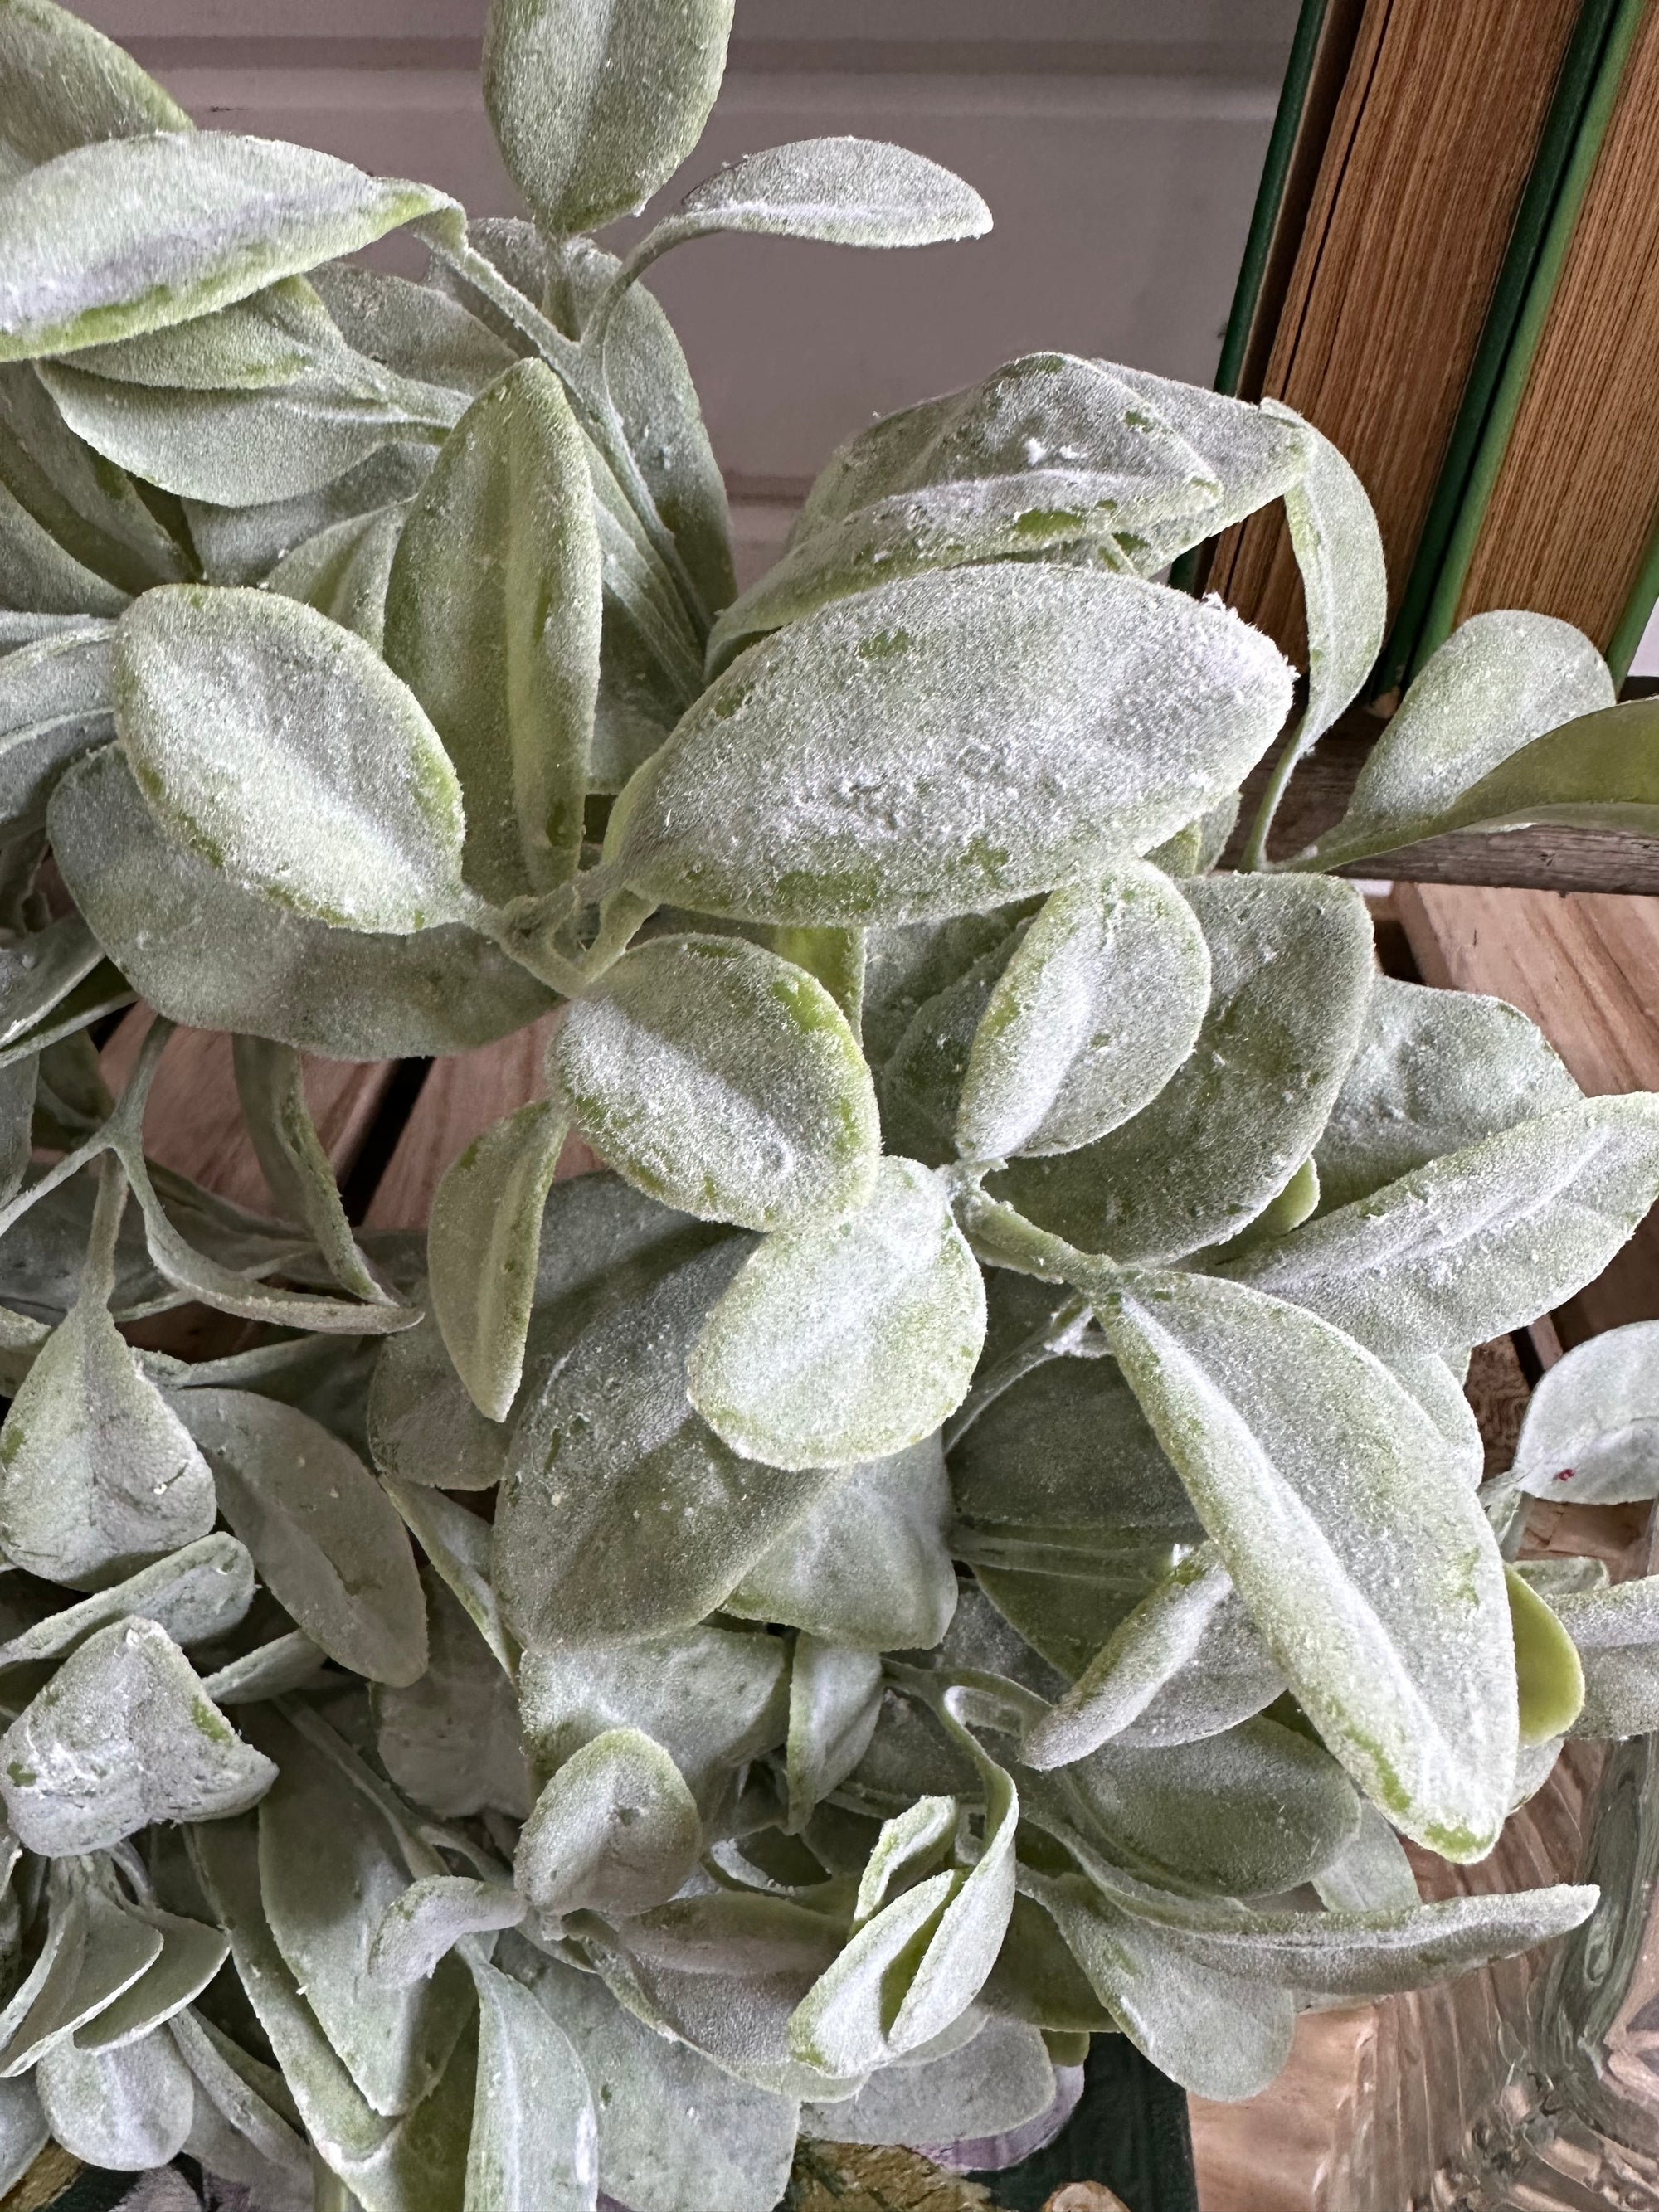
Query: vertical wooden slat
<point x="459" y="1100"/>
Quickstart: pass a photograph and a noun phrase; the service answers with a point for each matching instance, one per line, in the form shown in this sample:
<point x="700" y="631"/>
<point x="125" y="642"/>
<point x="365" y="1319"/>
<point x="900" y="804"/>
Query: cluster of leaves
<point x="968" y="1535"/>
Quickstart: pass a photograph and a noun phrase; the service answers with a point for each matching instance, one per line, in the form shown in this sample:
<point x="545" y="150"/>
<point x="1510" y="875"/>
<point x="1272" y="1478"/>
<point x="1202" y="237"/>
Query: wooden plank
<point x="1586" y="969"/>
<point x="193" y="1122"/>
<point x="459" y="1100"/>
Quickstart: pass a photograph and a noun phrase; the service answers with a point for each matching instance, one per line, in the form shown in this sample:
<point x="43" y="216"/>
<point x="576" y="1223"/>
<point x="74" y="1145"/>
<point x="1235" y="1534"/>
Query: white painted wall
<point x="1117" y="141"/>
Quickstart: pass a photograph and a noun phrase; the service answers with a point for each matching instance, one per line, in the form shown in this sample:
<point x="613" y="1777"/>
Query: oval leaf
<point x="949" y="742"/>
<point x="621" y="1514"/>
<point x="1479" y="1241"/>
<point x="845" y="191"/>
<point x="482" y="1245"/>
<point x="1591" y="1431"/>
<point x="847" y="1343"/>
<point x="533" y="2146"/>
<point x="1094" y="1013"/>
<point x="427" y="1922"/>
<point x="281" y="749"/>
<point x="210" y="955"/>
<point x="564" y="90"/>
<point x="324" y="1536"/>
<point x="1292" y="971"/>
<point x="503" y="652"/>
<point x="1355" y="1541"/>
<point x="723" y="1080"/>
<point x="133" y="234"/>
<point x="1499" y="681"/>
<point x="615" y="1831"/>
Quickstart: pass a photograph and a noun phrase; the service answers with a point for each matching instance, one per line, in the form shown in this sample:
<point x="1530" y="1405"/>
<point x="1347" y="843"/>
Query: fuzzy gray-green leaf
<point x="324" y="1536"/>
<point x="97" y="1473"/>
<point x="845" y="1343"/>
<point x="622" y="1514"/>
<point x="482" y="1240"/>
<point x="616" y="1829"/>
<point x="492" y="619"/>
<point x="770" y="1116"/>
<point x="280" y="749"/>
<point x="563" y="89"/>
<point x="1355" y="1542"/>
<point x="845" y="191"/>
<point x="120" y="1736"/>
<point x="131" y="235"/>
<point x="1499" y="681"/>
<point x="950" y="741"/>
<point x="212" y="955"/>
<point x="867" y="1567"/>
<point x="1291" y="975"/>
<point x="63" y="84"/>
<point x="1591" y="1432"/>
<point x="1479" y="1240"/>
<point x="1100" y="1005"/>
<point x="1435" y="1071"/>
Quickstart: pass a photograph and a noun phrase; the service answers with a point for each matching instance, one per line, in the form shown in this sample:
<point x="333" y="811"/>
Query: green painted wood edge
<point x="1270" y="192"/>
<point x="1579" y="67"/>
<point x="1517" y="368"/>
<point x="1258" y="241"/>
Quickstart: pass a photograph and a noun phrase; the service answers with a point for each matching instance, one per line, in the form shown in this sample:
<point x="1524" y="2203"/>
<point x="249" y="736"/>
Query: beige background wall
<point x="1117" y="141"/>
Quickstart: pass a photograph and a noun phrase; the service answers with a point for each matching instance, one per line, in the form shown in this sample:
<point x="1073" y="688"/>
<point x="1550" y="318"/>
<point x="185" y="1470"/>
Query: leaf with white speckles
<point x="564" y="88"/>
<point x="482" y="1245"/>
<point x="847" y="1343"/>
<point x="1099" y="1007"/>
<point x="1352" y="1537"/>
<point x="1290" y="973"/>
<point x="1591" y="1433"/>
<point x="723" y="1080"/>
<point x="131" y="235"/>
<point x="281" y="749"/>
<point x="615" y="1831"/>
<point x="120" y="1736"/>
<point x="211" y="955"/>
<point x="1338" y="550"/>
<point x="1047" y="453"/>
<point x="948" y="742"/>
<point x="1499" y="681"/>
<point x="868" y="1567"/>
<point x="324" y="1536"/>
<point x="1480" y="1240"/>
<point x="533" y="2146"/>
<point x="1435" y="1071"/>
<point x="623" y="1513"/>
<point x="503" y="651"/>
<point x="429" y="1919"/>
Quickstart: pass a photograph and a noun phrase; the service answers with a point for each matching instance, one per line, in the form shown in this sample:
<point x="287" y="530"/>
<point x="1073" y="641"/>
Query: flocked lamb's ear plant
<point x="987" y="1545"/>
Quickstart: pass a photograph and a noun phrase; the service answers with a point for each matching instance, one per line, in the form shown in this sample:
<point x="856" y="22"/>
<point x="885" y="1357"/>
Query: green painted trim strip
<point x="1579" y="68"/>
<point x="1185" y="575"/>
<point x="1506" y="402"/>
<point x="1275" y="169"/>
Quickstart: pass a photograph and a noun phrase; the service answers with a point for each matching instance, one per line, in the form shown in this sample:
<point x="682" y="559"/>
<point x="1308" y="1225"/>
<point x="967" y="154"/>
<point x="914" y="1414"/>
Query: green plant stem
<point x="1004" y="1238"/>
<point x="1256" y="850"/>
<point x="97" y="1267"/>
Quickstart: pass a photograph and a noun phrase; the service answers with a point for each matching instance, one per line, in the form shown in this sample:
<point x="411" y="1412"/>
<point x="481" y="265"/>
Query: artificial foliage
<point x="965" y="1535"/>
